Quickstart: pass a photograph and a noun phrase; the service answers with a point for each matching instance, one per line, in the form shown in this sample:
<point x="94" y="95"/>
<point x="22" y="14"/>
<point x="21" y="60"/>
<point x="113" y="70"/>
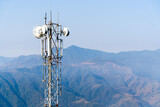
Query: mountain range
<point x="90" y="78"/>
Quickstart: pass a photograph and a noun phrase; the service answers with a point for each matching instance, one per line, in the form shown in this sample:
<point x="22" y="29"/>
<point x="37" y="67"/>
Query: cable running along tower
<point x="52" y="53"/>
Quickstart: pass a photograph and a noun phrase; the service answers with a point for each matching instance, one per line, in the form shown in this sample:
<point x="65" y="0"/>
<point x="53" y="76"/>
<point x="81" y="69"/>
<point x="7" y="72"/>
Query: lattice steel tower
<point x="52" y="53"/>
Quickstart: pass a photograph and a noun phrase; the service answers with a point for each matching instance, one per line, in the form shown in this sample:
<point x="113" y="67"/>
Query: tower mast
<point x="52" y="53"/>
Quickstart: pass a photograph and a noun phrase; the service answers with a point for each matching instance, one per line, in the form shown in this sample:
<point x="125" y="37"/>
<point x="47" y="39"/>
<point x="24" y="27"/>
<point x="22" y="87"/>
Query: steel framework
<point x="52" y="52"/>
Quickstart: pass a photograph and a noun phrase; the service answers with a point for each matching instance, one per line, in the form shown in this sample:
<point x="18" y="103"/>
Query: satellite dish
<point x="40" y="31"/>
<point x="65" y="31"/>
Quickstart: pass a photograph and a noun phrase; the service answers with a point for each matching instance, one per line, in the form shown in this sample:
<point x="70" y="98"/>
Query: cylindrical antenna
<point x="58" y="19"/>
<point x="42" y="48"/>
<point x="49" y="45"/>
<point x="61" y="48"/>
<point x="45" y="18"/>
<point x="50" y="17"/>
<point x="58" y="32"/>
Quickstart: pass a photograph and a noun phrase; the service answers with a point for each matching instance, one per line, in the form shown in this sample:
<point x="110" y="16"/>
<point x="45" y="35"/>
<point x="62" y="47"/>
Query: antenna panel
<point x="40" y="31"/>
<point x="65" y="31"/>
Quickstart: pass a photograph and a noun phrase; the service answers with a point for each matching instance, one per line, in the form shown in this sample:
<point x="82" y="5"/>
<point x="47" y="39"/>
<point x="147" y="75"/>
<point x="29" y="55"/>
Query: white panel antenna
<point x="65" y="31"/>
<point x="40" y="31"/>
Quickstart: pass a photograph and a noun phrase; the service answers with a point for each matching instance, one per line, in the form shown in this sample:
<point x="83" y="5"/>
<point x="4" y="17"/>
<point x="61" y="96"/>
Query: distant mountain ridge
<point x="90" y="79"/>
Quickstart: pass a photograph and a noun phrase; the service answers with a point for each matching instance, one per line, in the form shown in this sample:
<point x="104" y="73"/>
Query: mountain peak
<point x="73" y="47"/>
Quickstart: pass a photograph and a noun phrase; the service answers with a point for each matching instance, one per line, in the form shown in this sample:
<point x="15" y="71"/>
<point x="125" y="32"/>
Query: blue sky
<point x="107" y="25"/>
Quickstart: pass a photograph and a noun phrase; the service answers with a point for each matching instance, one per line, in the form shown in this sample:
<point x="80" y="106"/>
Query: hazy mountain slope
<point x="81" y="86"/>
<point x="106" y="85"/>
<point x="90" y="79"/>
<point x="4" y="60"/>
<point x="142" y="63"/>
<point x="19" y="87"/>
<point x="24" y="61"/>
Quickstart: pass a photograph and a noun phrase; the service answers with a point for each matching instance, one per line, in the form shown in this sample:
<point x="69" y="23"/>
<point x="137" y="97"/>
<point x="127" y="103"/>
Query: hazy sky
<point x="107" y="25"/>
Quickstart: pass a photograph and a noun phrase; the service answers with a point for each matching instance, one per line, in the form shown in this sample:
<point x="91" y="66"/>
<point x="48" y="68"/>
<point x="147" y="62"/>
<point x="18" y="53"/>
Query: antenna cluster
<point x="52" y="52"/>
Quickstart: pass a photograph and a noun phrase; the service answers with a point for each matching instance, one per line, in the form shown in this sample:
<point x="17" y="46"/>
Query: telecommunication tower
<point x="52" y="53"/>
